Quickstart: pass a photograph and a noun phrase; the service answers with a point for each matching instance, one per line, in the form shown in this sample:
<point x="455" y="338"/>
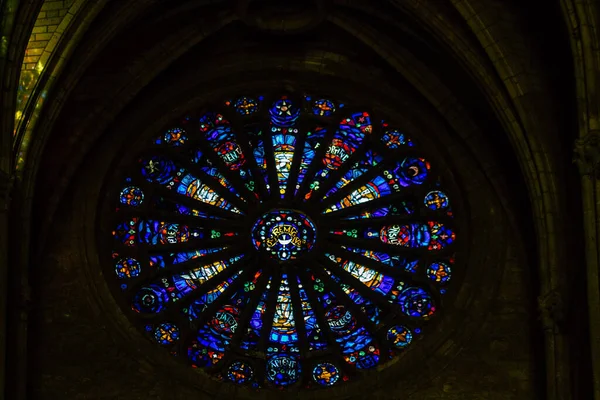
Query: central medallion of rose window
<point x="284" y="234"/>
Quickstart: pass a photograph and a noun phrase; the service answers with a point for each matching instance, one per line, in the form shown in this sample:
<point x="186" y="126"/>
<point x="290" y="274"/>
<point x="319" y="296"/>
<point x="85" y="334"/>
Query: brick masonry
<point x="50" y="16"/>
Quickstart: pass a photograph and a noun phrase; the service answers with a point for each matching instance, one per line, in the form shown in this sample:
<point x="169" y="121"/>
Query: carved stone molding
<point x="552" y="311"/>
<point x="586" y="154"/>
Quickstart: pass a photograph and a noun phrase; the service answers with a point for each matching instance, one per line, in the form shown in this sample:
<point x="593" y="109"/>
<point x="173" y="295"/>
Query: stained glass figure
<point x="371" y="159"/>
<point x="308" y="238"/>
<point x="182" y="284"/>
<point x="400" y="336"/>
<point x="158" y="169"/>
<point x="395" y="261"/>
<point x="436" y="200"/>
<point x="323" y="107"/>
<point x="240" y="372"/>
<point x="432" y="235"/>
<point x="394" y="139"/>
<point x="210" y="170"/>
<point x="166" y="333"/>
<point x="199" y="305"/>
<point x="370" y="191"/>
<point x="311" y="145"/>
<point x="345" y="142"/>
<point x="326" y="374"/>
<point x="245" y="105"/>
<point x="284" y="326"/>
<point x="356" y="343"/>
<point x="367" y="276"/>
<point x="173" y="137"/>
<point x="411" y="171"/>
<point x="214" y="337"/>
<point x="219" y="134"/>
<point x="284" y="145"/>
<point x="165" y="172"/>
<point x="152" y="232"/>
<point x="314" y="334"/>
<point x="367" y="307"/>
<point x="131" y="196"/>
<point x="256" y="322"/>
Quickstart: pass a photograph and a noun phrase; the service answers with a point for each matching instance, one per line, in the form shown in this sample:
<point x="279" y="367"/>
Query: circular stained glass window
<point x="282" y="242"/>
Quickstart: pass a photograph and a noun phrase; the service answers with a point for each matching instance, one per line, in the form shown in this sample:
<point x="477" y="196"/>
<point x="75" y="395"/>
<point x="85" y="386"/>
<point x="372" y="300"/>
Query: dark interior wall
<point x="490" y="315"/>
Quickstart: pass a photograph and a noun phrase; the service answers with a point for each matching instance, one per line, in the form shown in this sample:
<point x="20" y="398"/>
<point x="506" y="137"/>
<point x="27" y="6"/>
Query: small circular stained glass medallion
<point x="131" y="196"/>
<point x="166" y="333"/>
<point x="400" y="336"/>
<point x="326" y="374"/>
<point x="284" y="234"/>
<point x="439" y="272"/>
<point x="127" y="268"/>
<point x="240" y="372"/>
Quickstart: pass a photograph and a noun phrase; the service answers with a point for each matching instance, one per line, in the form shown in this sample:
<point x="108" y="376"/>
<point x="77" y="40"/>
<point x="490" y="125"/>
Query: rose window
<point x="283" y="242"/>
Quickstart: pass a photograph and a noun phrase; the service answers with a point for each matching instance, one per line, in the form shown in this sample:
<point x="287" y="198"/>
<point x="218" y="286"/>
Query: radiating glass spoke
<point x="244" y="327"/>
<point x="223" y="140"/>
<point x="164" y="171"/>
<point x="362" y="210"/>
<point x="298" y="312"/>
<point x="367" y="162"/>
<point x="270" y="309"/>
<point x="394" y="265"/>
<point x="167" y="200"/>
<point x="409" y="172"/>
<point x="181" y="216"/>
<point x="312" y="291"/>
<point x="368" y="313"/>
<point x="368" y="282"/>
<point x="162" y="264"/>
<point x="430" y="235"/>
<point x="284" y="147"/>
<point x="256" y="139"/>
<point x="350" y="327"/>
<point x="135" y="231"/>
<point x="255" y="181"/>
<point x="152" y="298"/>
<point x="217" y="328"/>
<point x="203" y="163"/>
<point x="315" y="335"/>
<point x="348" y="137"/>
<point x="307" y="185"/>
